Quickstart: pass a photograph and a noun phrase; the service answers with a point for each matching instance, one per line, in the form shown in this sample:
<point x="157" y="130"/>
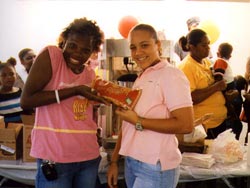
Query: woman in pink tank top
<point x="64" y="134"/>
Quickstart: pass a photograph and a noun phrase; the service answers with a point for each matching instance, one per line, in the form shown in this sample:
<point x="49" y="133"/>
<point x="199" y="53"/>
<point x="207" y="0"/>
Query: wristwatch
<point x="138" y="125"/>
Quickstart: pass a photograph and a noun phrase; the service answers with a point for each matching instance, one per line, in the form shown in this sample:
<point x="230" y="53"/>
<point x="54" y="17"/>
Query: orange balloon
<point x="126" y="24"/>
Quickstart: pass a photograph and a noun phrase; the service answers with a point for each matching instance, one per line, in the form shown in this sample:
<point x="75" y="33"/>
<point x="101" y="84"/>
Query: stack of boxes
<point x="11" y="141"/>
<point x="15" y="140"/>
<point x="28" y="123"/>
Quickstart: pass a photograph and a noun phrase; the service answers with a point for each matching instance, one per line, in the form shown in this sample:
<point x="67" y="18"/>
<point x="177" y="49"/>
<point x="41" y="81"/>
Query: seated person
<point x="206" y="94"/>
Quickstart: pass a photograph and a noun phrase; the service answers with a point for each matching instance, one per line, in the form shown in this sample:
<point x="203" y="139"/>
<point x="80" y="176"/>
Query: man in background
<point x="192" y="23"/>
<point x="26" y="57"/>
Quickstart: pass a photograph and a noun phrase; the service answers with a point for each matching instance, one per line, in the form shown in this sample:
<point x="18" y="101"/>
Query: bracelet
<point x="57" y="96"/>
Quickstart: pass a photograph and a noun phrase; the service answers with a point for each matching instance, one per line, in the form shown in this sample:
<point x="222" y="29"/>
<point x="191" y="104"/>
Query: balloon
<point x="125" y="24"/>
<point x="211" y="29"/>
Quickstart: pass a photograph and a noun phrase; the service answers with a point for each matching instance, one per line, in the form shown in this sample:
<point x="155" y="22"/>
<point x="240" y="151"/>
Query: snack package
<point x="121" y="96"/>
<point x="226" y="149"/>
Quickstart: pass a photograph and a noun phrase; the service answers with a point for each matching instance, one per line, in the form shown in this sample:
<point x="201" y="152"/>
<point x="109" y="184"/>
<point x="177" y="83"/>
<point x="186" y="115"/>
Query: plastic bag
<point x="198" y="133"/>
<point x="226" y="149"/>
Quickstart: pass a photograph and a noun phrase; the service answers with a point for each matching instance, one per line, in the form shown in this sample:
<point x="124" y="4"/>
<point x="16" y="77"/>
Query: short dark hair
<point x="84" y="27"/>
<point x="194" y="37"/>
<point x="23" y="52"/>
<point x="225" y="49"/>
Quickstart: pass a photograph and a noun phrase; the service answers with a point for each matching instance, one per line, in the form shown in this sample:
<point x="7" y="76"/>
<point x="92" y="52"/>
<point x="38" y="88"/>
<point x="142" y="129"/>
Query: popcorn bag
<point x="121" y="96"/>
<point x="226" y="149"/>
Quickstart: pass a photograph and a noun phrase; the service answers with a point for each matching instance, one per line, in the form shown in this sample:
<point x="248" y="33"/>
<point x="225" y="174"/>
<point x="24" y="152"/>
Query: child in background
<point x="9" y="95"/>
<point x="223" y="70"/>
<point x="26" y="57"/>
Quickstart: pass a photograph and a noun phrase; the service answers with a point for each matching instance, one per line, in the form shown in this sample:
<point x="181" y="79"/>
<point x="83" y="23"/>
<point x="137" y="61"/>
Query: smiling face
<point x="77" y="50"/>
<point x="144" y="48"/>
<point x="28" y="60"/>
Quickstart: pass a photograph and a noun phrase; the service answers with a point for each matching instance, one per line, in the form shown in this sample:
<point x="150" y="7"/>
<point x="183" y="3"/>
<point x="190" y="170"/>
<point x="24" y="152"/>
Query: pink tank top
<point x="65" y="132"/>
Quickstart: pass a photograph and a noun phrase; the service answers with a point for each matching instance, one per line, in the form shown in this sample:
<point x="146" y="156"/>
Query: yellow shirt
<point x="200" y="76"/>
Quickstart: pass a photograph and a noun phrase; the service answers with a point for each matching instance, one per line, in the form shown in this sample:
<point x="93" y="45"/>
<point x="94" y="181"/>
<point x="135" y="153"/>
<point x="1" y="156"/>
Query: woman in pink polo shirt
<point x="147" y="139"/>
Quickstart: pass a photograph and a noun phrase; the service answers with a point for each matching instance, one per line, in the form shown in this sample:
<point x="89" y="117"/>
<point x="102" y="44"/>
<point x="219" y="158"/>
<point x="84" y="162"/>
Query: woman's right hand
<point x="220" y="85"/>
<point x="112" y="175"/>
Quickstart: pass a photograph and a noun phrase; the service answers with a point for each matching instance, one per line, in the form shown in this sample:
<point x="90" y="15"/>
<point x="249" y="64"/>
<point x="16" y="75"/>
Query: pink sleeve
<point x="176" y="89"/>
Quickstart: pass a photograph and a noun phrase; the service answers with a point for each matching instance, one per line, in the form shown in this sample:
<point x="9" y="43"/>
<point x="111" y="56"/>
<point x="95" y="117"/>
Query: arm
<point x="200" y="95"/>
<point x="203" y="119"/>
<point x="33" y="94"/>
<point x="180" y="121"/>
<point x="113" y="168"/>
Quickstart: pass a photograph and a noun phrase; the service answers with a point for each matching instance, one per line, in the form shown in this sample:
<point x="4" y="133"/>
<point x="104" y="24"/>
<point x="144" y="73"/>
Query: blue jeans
<point x="139" y="174"/>
<point x="70" y="175"/>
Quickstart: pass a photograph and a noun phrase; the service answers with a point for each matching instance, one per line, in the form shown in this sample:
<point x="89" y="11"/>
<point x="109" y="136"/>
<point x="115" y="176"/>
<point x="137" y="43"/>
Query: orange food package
<point x="121" y="96"/>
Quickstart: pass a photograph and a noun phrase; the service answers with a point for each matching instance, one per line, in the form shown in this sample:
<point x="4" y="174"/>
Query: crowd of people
<point x="64" y="135"/>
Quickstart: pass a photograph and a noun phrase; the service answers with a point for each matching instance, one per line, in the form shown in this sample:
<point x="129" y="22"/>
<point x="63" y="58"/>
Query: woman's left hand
<point x="127" y="115"/>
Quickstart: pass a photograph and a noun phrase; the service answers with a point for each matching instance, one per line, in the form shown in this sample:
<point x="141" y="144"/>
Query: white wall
<point x="36" y="23"/>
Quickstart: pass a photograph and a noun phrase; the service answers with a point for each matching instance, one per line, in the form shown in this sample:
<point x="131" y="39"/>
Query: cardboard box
<point x="28" y="121"/>
<point x="11" y="142"/>
<point x="198" y="137"/>
<point x="27" y="143"/>
<point x="197" y="147"/>
<point x="2" y="124"/>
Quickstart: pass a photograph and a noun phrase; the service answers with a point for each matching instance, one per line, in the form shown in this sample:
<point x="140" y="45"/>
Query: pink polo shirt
<point x="164" y="89"/>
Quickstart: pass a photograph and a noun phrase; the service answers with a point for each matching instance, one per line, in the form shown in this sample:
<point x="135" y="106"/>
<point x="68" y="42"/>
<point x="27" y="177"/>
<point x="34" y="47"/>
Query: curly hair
<point x="84" y="27"/>
<point x="11" y="62"/>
